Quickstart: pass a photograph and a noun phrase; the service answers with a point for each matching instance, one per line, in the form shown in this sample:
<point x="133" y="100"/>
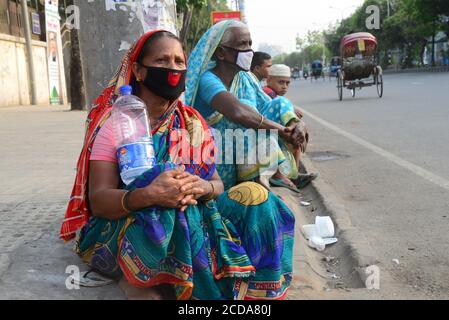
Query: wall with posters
<point x="109" y="28"/>
<point x="14" y="82"/>
<point x="54" y="54"/>
<point x="14" y="78"/>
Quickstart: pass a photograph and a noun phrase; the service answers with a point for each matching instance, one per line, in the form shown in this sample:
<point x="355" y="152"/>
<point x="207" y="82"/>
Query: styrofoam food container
<point x="324" y="227"/>
<point x="309" y="231"/>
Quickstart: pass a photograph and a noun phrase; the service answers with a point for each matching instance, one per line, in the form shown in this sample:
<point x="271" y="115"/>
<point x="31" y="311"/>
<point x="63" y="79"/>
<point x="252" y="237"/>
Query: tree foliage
<point x="310" y="48"/>
<point x="193" y="28"/>
<point x="409" y="28"/>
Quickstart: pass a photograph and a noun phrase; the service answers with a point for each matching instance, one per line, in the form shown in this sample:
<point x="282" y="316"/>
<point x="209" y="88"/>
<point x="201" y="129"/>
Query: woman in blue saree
<point x="229" y="97"/>
<point x="174" y="227"/>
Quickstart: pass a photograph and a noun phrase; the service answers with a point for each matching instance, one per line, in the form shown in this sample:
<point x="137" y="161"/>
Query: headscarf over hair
<point x="200" y="59"/>
<point x="77" y="213"/>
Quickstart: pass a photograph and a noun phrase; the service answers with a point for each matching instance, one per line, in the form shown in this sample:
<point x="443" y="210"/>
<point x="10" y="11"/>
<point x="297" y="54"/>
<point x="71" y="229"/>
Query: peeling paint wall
<point x="152" y="14"/>
<point x="14" y="81"/>
<point x="108" y="29"/>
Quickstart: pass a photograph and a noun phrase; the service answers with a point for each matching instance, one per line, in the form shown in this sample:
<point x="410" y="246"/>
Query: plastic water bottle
<point x="134" y="143"/>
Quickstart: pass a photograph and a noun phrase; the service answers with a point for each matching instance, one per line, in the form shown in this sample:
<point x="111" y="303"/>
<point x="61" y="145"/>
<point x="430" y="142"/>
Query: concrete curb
<point x="359" y="248"/>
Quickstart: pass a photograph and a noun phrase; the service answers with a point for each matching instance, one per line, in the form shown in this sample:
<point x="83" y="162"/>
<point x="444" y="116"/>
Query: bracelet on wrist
<point x="125" y="205"/>
<point x="261" y="122"/>
<point x="211" y="195"/>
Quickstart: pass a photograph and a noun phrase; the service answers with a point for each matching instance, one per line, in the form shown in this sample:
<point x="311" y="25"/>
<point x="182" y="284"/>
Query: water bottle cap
<point x="126" y="90"/>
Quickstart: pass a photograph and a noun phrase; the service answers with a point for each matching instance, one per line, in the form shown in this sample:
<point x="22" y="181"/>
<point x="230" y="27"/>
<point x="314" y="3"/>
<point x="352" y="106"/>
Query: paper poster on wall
<point x="153" y="14"/>
<point x="36" y="24"/>
<point x="159" y="14"/>
<point x="53" y="32"/>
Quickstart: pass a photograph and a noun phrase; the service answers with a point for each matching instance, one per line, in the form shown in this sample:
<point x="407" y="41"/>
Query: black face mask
<point x="166" y="83"/>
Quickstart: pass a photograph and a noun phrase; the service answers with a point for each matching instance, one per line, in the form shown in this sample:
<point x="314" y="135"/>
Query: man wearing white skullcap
<point x="278" y="80"/>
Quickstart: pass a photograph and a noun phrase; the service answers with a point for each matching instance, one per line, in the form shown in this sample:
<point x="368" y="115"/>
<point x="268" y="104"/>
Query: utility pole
<point x="29" y="51"/>
<point x="388" y="50"/>
<point x="236" y="4"/>
<point x="433" y="44"/>
<point x="324" y="49"/>
<point x="242" y="9"/>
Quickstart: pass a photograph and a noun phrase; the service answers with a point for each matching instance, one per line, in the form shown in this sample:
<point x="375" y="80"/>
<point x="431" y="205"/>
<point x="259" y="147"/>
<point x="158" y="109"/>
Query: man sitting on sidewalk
<point x="278" y="82"/>
<point x="260" y="65"/>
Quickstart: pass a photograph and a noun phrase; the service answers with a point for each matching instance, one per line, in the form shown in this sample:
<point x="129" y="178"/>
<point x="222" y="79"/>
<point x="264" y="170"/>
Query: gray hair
<point x="228" y="35"/>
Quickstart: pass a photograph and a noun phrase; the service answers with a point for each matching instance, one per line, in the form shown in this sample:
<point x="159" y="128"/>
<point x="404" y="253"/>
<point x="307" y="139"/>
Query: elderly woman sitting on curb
<point x="229" y="97"/>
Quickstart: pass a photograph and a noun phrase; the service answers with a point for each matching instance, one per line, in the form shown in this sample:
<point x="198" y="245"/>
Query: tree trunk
<point x="407" y="60"/>
<point x="433" y="50"/>
<point x="77" y="89"/>
<point x="196" y="36"/>
<point x="187" y="18"/>
<point x="433" y="44"/>
<point x="421" y="53"/>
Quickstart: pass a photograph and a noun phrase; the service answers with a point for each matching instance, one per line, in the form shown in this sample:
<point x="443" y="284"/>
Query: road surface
<point x="388" y="160"/>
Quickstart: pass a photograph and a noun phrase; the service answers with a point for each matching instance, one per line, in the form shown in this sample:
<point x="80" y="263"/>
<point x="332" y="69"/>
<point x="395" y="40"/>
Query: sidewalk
<point x="40" y="149"/>
<point x="419" y="69"/>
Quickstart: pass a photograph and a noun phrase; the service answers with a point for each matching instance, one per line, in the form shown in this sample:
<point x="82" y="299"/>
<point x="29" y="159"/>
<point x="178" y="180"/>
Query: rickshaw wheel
<point x="380" y="86"/>
<point x="340" y="82"/>
<point x="379" y="82"/>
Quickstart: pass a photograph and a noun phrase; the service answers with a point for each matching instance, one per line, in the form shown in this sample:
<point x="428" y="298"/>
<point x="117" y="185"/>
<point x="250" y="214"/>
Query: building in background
<point x="15" y="82"/>
<point x="441" y="51"/>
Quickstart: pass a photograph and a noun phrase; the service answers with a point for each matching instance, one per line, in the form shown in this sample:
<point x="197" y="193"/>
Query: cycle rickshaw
<point x="359" y="64"/>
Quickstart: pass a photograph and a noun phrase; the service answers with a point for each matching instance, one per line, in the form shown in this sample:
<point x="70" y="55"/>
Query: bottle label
<point x="136" y="155"/>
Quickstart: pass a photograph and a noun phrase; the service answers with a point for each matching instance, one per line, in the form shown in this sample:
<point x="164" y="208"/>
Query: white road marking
<point x="423" y="173"/>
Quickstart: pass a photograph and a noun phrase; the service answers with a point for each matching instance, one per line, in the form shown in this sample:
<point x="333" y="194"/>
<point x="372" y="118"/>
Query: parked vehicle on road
<point x="295" y="73"/>
<point x="305" y="72"/>
<point x="317" y="70"/>
<point x="359" y="64"/>
<point x="335" y="65"/>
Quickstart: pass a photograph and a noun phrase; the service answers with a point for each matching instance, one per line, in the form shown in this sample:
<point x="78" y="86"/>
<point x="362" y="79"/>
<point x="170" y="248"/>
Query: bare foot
<point x="162" y="292"/>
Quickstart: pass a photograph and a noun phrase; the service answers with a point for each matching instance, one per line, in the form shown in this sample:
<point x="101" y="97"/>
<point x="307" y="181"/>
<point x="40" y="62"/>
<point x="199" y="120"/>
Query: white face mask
<point x="244" y="58"/>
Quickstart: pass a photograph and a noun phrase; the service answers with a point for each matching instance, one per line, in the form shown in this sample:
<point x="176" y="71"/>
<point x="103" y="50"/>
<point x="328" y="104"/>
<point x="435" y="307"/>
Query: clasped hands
<point x="178" y="189"/>
<point x="295" y="134"/>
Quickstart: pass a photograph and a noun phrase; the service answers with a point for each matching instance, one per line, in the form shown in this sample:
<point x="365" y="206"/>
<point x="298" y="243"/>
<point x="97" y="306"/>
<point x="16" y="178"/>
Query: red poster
<point x="218" y="16"/>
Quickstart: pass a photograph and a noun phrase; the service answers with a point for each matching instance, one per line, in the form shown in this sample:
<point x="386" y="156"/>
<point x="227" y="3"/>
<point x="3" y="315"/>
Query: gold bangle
<point x="124" y="198"/>
<point x="213" y="188"/>
<point x="261" y="121"/>
<point x="212" y="194"/>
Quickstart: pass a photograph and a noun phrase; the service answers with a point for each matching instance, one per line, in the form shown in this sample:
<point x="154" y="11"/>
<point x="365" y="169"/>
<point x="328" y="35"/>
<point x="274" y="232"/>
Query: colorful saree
<point x="248" y="90"/>
<point x="237" y="247"/>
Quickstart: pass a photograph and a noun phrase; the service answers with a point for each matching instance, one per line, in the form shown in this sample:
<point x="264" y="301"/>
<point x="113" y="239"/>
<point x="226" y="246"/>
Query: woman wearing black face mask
<point x="159" y="74"/>
<point x="170" y="234"/>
